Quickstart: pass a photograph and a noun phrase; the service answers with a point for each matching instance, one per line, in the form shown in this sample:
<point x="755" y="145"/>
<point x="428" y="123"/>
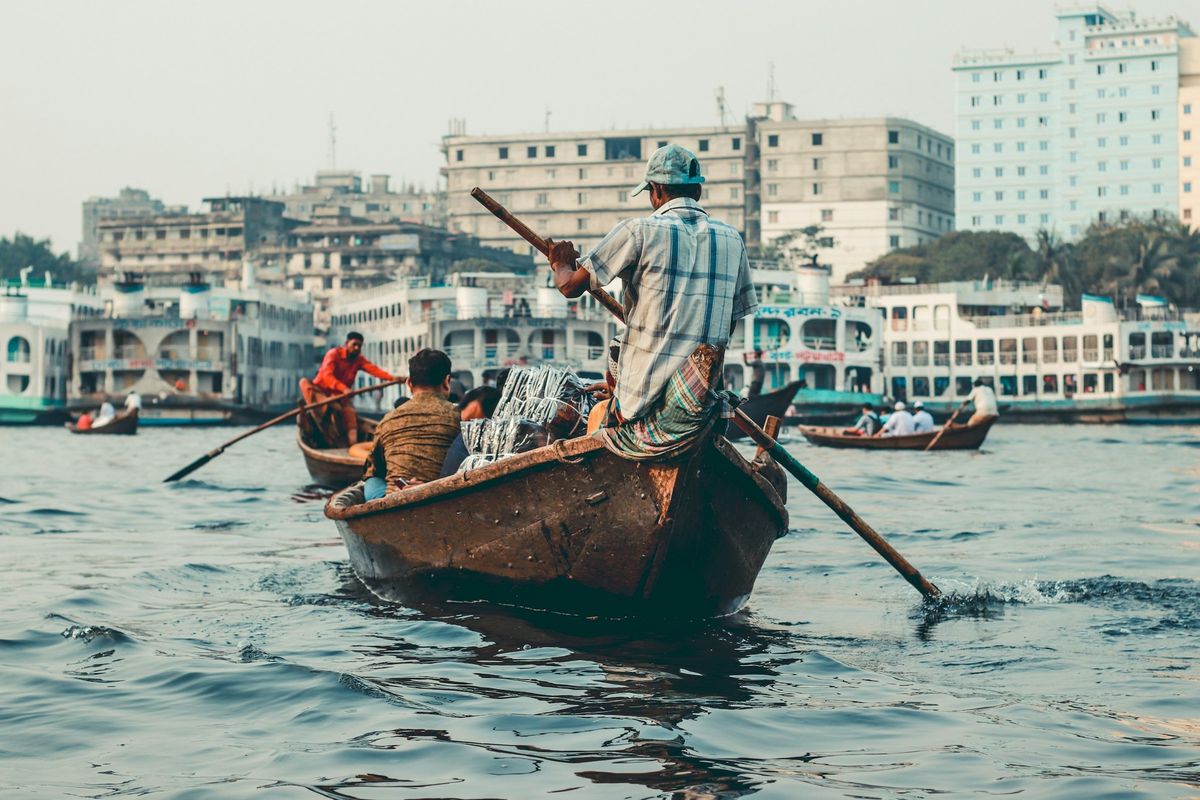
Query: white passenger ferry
<point x="197" y="354"/>
<point x="1099" y="364"/>
<point x="485" y="321"/>
<point x="35" y="318"/>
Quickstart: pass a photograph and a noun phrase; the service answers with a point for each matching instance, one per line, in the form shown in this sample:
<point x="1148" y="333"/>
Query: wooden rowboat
<point x="572" y="527"/>
<point x="124" y="423"/>
<point x="334" y="467"/>
<point x="771" y="404"/>
<point x="959" y="437"/>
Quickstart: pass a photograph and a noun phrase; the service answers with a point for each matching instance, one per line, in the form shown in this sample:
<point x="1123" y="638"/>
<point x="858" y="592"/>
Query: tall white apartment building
<point x="1189" y="132"/>
<point x="1087" y="131"/>
<point x="871" y="184"/>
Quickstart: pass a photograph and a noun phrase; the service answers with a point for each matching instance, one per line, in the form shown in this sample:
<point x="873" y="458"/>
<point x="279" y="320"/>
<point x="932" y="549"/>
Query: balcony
<point x="962" y="359"/>
<point x="1008" y="358"/>
<point x="816" y="343"/>
<point x="129" y="351"/>
<point x="1028" y="358"/>
<point x="987" y="359"/>
<point x="941" y="359"/>
<point x="1162" y="350"/>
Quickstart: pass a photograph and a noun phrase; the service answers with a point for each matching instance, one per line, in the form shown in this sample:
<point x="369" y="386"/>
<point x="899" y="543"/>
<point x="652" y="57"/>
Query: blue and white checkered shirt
<point x="685" y="279"/>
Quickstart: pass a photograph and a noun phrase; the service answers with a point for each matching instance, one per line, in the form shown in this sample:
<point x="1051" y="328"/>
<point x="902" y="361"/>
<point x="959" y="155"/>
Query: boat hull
<point x="771" y="404"/>
<point x="125" y="423"/>
<point x="335" y="469"/>
<point x="960" y="437"/>
<point x="574" y="528"/>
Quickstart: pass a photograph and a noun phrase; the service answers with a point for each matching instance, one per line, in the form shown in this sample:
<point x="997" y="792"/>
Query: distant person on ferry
<point x="984" y="400"/>
<point x="338" y="370"/>
<point x="899" y="423"/>
<point x="868" y="423"/>
<point x="133" y="400"/>
<point x="922" y="420"/>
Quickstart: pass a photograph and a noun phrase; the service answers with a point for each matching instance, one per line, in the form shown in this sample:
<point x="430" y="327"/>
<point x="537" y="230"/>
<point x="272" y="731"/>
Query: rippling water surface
<point x="207" y="639"/>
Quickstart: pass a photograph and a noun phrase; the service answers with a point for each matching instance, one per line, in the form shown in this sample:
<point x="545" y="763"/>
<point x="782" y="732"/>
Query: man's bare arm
<point x="571" y="279"/>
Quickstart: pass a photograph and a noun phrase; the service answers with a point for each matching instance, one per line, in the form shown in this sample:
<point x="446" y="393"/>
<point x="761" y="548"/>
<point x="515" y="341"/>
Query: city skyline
<point x="98" y="99"/>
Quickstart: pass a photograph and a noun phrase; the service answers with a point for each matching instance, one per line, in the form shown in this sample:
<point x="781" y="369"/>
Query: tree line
<point x="1119" y="259"/>
<point x="23" y="251"/>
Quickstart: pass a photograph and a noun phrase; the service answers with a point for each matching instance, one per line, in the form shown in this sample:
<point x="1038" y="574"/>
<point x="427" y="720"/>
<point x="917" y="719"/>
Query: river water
<point x="207" y="639"/>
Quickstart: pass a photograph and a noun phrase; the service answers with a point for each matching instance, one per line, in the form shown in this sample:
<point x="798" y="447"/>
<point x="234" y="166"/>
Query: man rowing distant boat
<point x="336" y="376"/>
<point x="686" y="281"/>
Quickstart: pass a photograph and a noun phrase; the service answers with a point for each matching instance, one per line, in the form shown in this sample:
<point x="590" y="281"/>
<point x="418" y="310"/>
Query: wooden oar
<point x="945" y="427"/>
<point x="810" y="481"/>
<point x="211" y="454"/>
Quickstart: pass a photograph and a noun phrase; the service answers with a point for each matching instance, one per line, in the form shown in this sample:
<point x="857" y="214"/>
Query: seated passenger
<point x="922" y="420"/>
<point x="900" y="423"/>
<point x="84" y="423"/>
<point x="107" y="414"/>
<point x="867" y="424"/>
<point x="412" y="440"/>
<point x="478" y="403"/>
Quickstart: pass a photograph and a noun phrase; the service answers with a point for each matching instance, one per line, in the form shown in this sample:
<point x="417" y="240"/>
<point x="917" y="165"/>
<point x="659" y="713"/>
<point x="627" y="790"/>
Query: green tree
<point x="24" y="251"/>
<point x="958" y="256"/>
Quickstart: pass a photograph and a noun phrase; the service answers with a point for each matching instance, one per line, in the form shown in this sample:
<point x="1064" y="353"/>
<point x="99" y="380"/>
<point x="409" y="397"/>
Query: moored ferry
<point x="35" y="318"/>
<point x="1100" y="364"/>
<point x="197" y="354"/>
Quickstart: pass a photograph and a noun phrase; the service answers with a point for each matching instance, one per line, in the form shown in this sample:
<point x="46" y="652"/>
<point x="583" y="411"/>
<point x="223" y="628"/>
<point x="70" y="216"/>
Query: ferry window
<point x="962" y="386"/>
<point x="1050" y="384"/>
<point x="940" y="386"/>
<point x="1049" y="350"/>
<point x="920" y="318"/>
<point x="920" y="353"/>
<point x="1162" y="344"/>
<point x="1137" y="380"/>
<point x="900" y="388"/>
<point x="962" y="353"/>
<point x="941" y="354"/>
<point x="1029" y="384"/>
<point x="1108" y="347"/>
<point x="1137" y="345"/>
<point x="858" y="379"/>
<point x="899" y="318"/>
<point x="1090" y="383"/>
<point x="17" y="384"/>
<point x="1070" y="385"/>
<point x="941" y="318"/>
<point x="860" y="334"/>
<point x="1163" y="379"/>
<point x="1070" y="349"/>
<point x="18" y="350"/>
<point x="1090" y="350"/>
<point x="1008" y="385"/>
<point x="1029" y="350"/>
<point x="920" y="387"/>
<point x="1108" y="382"/>
<point x="900" y="354"/>
<point x="1008" y="351"/>
<point x="986" y="349"/>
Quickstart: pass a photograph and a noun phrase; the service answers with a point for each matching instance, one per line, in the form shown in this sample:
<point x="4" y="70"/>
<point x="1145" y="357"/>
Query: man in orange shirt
<point x="336" y="376"/>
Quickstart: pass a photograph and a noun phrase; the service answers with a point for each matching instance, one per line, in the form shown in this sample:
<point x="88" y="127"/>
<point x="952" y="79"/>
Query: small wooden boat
<point x="572" y="527"/>
<point x="334" y="467"/>
<point x="959" y="437"/>
<point x="771" y="404"/>
<point x="125" y="423"/>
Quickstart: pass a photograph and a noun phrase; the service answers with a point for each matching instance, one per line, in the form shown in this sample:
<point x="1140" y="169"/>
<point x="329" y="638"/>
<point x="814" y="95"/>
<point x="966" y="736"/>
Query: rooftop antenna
<point x="332" y="142"/>
<point x="770" y="80"/>
<point x="722" y="106"/>
<point x="547" y="120"/>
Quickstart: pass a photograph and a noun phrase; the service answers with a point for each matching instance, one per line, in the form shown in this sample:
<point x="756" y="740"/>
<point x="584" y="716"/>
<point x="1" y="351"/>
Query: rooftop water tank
<point x="129" y="299"/>
<point x="471" y="302"/>
<point x="194" y="301"/>
<point x="550" y="302"/>
<point x="813" y="285"/>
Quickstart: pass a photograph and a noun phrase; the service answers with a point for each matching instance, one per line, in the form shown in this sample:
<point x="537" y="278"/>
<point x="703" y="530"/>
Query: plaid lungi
<point x="684" y="410"/>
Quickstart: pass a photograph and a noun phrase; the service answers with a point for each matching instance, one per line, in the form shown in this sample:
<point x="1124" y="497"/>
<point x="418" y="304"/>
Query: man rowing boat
<point x="336" y="376"/>
<point x="686" y="281"/>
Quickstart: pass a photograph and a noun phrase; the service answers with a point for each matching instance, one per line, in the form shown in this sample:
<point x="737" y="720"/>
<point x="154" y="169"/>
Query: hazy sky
<point x="194" y="99"/>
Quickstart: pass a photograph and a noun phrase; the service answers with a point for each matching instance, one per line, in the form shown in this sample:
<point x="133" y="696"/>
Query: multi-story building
<point x="1088" y="131"/>
<point x="379" y="202"/>
<point x="1189" y="131"/>
<point x="871" y="185"/>
<point x="168" y="249"/>
<point x="128" y="203"/>
<point x="577" y="186"/>
<point x="336" y="251"/>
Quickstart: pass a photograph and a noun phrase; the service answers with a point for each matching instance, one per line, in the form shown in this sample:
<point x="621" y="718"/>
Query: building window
<point x="772" y="189"/>
<point x="999" y="197"/>
<point x="581" y="149"/>
<point x="551" y="174"/>
<point x="893" y="137"/>
<point x="458" y="155"/>
<point x="1156" y="163"/>
<point x="1123" y="141"/>
<point x="1124" y="190"/>
<point x="1102" y="117"/>
<point x="975" y="77"/>
<point x="1156" y="188"/>
<point x="999" y="172"/>
<point x="582" y="197"/>
<point x="542" y="200"/>
<point x="997" y="123"/>
<point x="1044" y="194"/>
<point x="975" y="101"/>
<point x="1187" y="136"/>
<point x="816" y="163"/>
<point x="894" y="187"/>
<point x="623" y="196"/>
<point x="1102" y="166"/>
<point x="1187" y="187"/>
<point x="977" y="197"/>
<point x="773" y="140"/>
<point x="737" y="143"/>
<point x="976" y="172"/>
<point x="826" y="215"/>
<point x="974" y="124"/>
<point x="975" y="149"/>
<point x="549" y="151"/>
<point x="893" y="214"/>
<point x="583" y="173"/>
<point x="893" y="241"/>
<point x="997" y="99"/>
<point x="773" y="217"/>
<point x="1041" y="74"/>
<point x="1020" y="172"/>
<point x="816" y="188"/>
<point x="704" y="145"/>
<point x="1154" y="66"/>
<point x="531" y="151"/>
<point x="1156" y="138"/>
<point x="1044" y="169"/>
<point x="1021" y="99"/>
<point x="503" y="154"/>
<point x="734" y="193"/>
<point x="996" y="76"/>
<point x="818" y="139"/>
<point x="893" y="162"/>
<point x="772" y="164"/>
<point x="1187" y="108"/>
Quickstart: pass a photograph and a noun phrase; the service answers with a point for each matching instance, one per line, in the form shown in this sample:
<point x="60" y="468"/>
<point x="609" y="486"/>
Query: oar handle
<point x="541" y="245"/>
<point x="837" y="505"/>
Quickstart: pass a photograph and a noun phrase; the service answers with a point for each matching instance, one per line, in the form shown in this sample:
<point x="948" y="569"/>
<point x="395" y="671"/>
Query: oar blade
<point x="190" y="468"/>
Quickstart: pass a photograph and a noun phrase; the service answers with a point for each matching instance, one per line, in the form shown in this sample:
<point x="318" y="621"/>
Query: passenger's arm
<point x="382" y="374"/>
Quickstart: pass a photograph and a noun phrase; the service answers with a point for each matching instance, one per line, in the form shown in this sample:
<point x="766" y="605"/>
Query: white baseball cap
<point x="899" y="406"/>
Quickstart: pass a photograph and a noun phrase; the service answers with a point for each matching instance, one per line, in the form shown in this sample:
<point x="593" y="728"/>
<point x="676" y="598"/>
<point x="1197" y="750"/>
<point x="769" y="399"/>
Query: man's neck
<point x="427" y="391"/>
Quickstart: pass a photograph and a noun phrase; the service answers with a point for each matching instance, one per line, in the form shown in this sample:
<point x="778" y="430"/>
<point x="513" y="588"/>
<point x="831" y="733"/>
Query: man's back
<point x="984" y="400"/>
<point x="415" y="437"/>
<point x="900" y="423"/>
<point x="922" y="422"/>
<point x="686" y="278"/>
